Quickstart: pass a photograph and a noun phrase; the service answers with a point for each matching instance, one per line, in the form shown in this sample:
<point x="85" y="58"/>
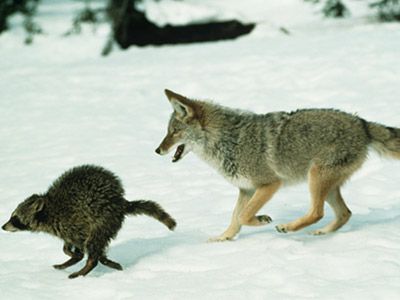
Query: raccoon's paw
<point x="74" y="275"/>
<point x="109" y="263"/>
<point x="283" y="228"/>
<point x="221" y="238"/>
<point x="60" y="267"/>
<point x="264" y="219"/>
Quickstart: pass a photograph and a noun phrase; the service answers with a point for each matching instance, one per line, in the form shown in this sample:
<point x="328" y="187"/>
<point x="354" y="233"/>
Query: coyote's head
<point x="185" y="126"/>
<point x="27" y="216"/>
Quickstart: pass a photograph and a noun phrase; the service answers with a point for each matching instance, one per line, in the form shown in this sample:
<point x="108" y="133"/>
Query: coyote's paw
<point x="318" y="232"/>
<point x="221" y="238"/>
<point x="264" y="219"/>
<point x="282" y="228"/>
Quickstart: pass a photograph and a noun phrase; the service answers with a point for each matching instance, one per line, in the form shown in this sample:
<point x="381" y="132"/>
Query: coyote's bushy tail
<point x="385" y="140"/>
<point x="152" y="209"/>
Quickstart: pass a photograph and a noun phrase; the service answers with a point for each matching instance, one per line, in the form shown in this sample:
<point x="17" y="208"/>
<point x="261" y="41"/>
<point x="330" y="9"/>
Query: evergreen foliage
<point x="335" y="9"/>
<point x="388" y="10"/>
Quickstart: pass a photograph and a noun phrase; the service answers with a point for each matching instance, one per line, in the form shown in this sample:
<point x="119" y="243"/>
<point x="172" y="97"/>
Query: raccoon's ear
<point x="38" y="204"/>
<point x="183" y="107"/>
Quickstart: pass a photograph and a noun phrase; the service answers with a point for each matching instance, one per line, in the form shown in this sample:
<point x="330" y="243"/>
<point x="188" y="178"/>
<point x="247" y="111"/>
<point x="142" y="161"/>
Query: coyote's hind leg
<point x="342" y="212"/>
<point x="321" y="181"/>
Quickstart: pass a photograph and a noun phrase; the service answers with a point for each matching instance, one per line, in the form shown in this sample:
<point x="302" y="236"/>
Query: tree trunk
<point x="131" y="27"/>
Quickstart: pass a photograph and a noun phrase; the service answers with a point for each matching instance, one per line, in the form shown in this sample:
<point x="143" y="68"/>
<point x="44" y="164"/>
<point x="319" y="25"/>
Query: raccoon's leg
<point x="234" y="227"/>
<point x="342" y="212"/>
<point x="68" y="249"/>
<point x="94" y="247"/>
<point x="320" y="183"/>
<point x="76" y="256"/>
<point x="261" y="196"/>
<point x="91" y="263"/>
<point x="109" y="263"/>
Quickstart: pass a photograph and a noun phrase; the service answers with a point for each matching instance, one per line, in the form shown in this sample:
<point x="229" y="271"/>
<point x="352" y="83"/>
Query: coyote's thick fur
<point x="259" y="153"/>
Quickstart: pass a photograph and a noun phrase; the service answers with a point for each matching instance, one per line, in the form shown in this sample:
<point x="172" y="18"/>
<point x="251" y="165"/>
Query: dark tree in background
<point x="388" y="10"/>
<point x="131" y="27"/>
<point x="3" y="16"/>
<point x="86" y="15"/>
<point x="27" y="8"/>
<point x="332" y="8"/>
<point x="335" y="9"/>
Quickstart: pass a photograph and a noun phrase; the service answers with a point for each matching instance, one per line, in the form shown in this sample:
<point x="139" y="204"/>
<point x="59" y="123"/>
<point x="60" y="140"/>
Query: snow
<point x="62" y="104"/>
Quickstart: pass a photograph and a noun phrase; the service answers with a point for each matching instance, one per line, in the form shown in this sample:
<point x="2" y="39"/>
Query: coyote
<point x="259" y="153"/>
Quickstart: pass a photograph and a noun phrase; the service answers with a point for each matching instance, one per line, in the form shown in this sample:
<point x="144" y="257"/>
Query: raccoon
<point x="85" y="207"/>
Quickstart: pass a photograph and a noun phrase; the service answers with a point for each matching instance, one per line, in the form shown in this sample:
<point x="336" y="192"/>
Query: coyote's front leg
<point x="234" y="227"/>
<point x="261" y="196"/>
<point x="248" y="204"/>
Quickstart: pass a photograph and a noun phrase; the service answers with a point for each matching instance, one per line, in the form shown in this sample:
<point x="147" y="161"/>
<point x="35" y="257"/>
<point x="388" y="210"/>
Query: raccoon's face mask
<point x="184" y="120"/>
<point x="14" y="224"/>
<point x="27" y="215"/>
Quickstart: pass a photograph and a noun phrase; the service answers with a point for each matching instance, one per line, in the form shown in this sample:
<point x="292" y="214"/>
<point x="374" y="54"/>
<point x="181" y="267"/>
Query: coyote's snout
<point x="260" y="153"/>
<point x="167" y="144"/>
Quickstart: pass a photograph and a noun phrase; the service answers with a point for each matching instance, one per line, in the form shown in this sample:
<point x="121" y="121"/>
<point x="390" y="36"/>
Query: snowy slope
<point x="62" y="105"/>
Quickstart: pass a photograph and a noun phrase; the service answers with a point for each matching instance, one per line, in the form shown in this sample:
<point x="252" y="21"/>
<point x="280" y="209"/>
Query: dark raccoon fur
<point x="85" y="207"/>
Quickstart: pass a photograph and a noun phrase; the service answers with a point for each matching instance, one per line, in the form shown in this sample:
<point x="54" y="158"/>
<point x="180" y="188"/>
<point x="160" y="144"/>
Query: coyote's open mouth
<point x="178" y="153"/>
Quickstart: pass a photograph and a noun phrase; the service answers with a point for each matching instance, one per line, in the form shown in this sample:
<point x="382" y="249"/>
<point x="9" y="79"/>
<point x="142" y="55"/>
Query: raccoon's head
<point x="27" y="216"/>
<point x="184" y="128"/>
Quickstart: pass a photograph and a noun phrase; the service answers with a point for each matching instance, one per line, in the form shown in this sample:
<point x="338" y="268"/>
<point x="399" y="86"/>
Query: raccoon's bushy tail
<point x="152" y="209"/>
<point x="385" y="140"/>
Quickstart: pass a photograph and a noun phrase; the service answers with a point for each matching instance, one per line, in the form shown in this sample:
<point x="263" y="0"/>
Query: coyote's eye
<point x="174" y="131"/>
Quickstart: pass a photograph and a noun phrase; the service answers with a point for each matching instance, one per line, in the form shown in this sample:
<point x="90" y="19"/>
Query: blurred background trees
<point x="27" y="8"/>
<point x="388" y="10"/>
<point x="385" y="10"/>
<point x="335" y="9"/>
<point x="130" y="26"/>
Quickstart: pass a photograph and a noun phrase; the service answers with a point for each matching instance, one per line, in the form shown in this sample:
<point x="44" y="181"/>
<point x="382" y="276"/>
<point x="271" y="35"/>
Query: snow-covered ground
<point x="62" y="104"/>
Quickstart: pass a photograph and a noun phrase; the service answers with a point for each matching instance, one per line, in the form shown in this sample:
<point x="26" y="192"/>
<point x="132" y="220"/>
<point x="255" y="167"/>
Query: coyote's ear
<point x="184" y="107"/>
